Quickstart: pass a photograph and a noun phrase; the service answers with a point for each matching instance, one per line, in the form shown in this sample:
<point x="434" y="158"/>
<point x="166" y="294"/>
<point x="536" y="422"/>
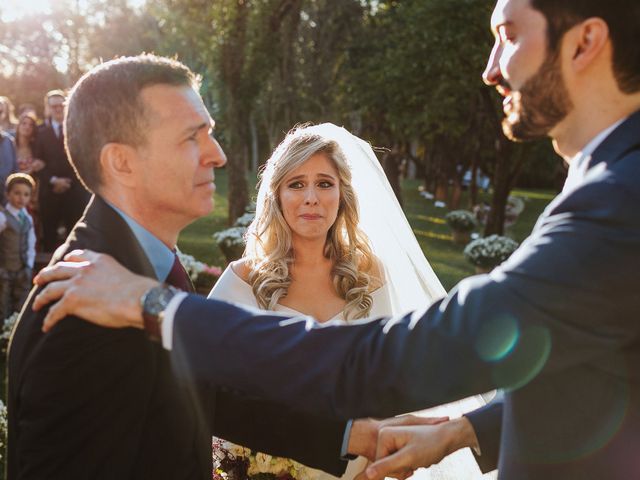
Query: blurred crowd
<point x="41" y="197"/>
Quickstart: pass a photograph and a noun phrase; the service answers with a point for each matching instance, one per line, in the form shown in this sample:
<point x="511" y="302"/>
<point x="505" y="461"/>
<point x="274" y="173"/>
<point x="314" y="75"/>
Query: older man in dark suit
<point x="62" y="197"/>
<point x="89" y="402"/>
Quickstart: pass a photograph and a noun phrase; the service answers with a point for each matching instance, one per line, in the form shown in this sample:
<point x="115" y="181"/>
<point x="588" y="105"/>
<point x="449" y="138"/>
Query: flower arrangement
<point x="233" y="462"/>
<point x="7" y="328"/>
<point x="512" y="210"/>
<point x="489" y="252"/>
<point x="231" y="241"/>
<point x="461" y="220"/>
<point x="245" y="220"/>
<point x="3" y="428"/>
<point x="202" y="275"/>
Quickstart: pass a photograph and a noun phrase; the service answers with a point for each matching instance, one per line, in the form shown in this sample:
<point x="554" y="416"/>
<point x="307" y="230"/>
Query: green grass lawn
<point x="427" y="221"/>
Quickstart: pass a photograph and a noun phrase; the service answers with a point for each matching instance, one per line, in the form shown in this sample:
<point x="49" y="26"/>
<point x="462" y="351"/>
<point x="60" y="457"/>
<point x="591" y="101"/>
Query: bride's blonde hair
<point x="269" y="250"/>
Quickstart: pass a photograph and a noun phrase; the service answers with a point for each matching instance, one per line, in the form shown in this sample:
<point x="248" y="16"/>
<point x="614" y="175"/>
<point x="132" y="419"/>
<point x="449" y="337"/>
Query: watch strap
<point x="154" y="301"/>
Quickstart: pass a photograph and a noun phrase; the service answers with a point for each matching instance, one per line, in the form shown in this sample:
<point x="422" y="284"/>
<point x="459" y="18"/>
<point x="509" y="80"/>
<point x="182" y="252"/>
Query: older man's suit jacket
<point x="558" y="325"/>
<point x="93" y="403"/>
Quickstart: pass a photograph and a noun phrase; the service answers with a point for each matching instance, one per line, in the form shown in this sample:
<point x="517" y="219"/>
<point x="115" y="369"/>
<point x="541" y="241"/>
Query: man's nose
<point x="214" y="154"/>
<point x="491" y="74"/>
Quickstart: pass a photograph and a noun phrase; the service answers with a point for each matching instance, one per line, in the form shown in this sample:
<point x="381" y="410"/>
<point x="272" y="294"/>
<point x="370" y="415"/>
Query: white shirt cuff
<point x="166" y="329"/>
<point x="344" y="449"/>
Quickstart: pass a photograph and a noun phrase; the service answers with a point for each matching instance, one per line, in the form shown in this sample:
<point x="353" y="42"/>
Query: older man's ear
<point x="118" y="164"/>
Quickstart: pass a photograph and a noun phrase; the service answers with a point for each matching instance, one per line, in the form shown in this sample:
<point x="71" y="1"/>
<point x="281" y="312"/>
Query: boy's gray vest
<point x="14" y="242"/>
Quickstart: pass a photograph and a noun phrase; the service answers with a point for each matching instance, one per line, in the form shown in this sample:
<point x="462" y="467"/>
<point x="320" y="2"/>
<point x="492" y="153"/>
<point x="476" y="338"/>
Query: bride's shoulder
<point x="241" y="268"/>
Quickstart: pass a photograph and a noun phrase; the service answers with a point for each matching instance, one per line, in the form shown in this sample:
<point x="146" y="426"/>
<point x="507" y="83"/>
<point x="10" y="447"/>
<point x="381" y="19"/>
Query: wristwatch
<point x="154" y="302"/>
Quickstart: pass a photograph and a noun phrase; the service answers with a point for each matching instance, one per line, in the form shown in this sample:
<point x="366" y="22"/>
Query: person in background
<point x="8" y="160"/>
<point x="27" y="163"/>
<point x="61" y="196"/>
<point x="25" y="139"/>
<point x="17" y="244"/>
<point x="8" y="120"/>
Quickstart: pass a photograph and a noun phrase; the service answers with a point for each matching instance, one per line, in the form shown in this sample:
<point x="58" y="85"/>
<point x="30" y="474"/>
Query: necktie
<point x="178" y="277"/>
<point x="22" y="217"/>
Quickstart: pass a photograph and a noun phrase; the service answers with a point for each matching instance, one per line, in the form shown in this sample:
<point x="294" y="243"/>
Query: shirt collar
<point x="13" y="210"/>
<point x="160" y="256"/>
<point x="579" y="162"/>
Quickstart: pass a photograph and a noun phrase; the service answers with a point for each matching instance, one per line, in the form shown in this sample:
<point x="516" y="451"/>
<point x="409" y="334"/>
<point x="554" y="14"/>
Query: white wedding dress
<point x="459" y="466"/>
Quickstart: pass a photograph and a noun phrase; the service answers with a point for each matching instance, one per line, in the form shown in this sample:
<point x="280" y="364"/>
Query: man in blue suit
<point x="556" y="325"/>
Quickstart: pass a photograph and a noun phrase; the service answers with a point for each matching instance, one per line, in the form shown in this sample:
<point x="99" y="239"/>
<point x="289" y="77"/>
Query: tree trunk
<point x="456" y="194"/>
<point x="237" y="114"/>
<point x="255" y="156"/>
<point x="508" y="164"/>
<point x="237" y="168"/>
<point x="501" y="188"/>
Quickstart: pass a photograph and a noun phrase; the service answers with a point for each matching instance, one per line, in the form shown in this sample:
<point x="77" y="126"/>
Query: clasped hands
<point x="398" y="446"/>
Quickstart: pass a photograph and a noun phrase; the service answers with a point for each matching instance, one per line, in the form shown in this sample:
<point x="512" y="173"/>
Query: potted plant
<point x="231" y="241"/>
<point x="462" y="223"/>
<point x="489" y="252"/>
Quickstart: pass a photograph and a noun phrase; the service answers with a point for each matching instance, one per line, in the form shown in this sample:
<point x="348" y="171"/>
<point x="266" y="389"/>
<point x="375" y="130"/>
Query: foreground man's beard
<point x="542" y="102"/>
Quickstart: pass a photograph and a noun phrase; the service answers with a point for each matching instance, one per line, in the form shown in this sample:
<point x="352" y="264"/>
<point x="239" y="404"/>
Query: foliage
<point x="491" y="251"/>
<point x="3" y="430"/>
<point x="461" y="220"/>
<point x="7" y="328"/>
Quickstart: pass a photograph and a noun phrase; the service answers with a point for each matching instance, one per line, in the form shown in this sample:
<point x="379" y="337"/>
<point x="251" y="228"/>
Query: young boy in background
<point x="17" y="244"/>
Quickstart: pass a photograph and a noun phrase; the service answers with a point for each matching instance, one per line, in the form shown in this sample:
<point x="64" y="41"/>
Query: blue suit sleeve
<point x="487" y="424"/>
<point x="564" y="298"/>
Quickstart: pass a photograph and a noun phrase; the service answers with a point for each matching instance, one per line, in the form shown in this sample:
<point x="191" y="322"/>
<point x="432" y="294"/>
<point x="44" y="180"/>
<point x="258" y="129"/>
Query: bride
<point x="330" y="240"/>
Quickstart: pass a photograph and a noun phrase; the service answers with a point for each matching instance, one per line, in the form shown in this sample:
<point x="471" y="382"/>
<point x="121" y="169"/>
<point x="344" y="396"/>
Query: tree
<point x="46" y="51"/>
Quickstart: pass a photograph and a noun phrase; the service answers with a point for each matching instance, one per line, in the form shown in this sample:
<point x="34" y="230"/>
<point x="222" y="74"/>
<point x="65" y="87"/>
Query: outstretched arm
<point x="492" y="331"/>
<point x="226" y="345"/>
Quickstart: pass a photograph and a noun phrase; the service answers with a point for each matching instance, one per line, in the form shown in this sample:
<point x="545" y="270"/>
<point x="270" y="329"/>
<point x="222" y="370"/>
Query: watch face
<point x="157" y="299"/>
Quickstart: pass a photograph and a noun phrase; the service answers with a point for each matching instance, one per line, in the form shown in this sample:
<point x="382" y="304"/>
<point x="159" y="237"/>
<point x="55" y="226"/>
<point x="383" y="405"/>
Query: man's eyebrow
<point x="198" y="127"/>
